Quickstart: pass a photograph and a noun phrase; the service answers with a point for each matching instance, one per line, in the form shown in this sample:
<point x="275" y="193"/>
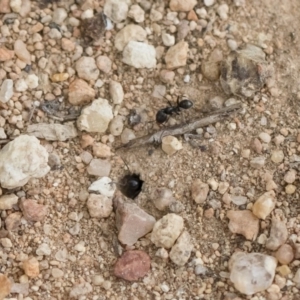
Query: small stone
<point x="176" y="56"/>
<point x="21" y="85"/>
<point x="57" y="273"/>
<point x="2" y="133"/>
<point x="32" y="211"/>
<point x="223" y="187"/>
<point x="116" y="125"/>
<point x="271" y="185"/>
<point x="116" y="92"/>
<point x="116" y="10"/>
<point x="67" y="45"/>
<point x="32" y="81"/>
<point x="13" y="221"/>
<point x="209" y="2"/>
<point x="86" y="140"/>
<point x="290" y="189"/>
<point x="232" y="44"/>
<point x="277" y="156"/>
<point x="216" y="102"/>
<point x="176" y="207"/>
<point x="213" y="184"/>
<point x="59" y="77"/>
<point x="256" y="146"/>
<point x="257" y="162"/>
<point x="6" y="54"/>
<point x="103" y="186"/>
<point x="6" y="242"/>
<point x="79" y="247"/>
<point x="96" y="116"/>
<point x="104" y="64"/>
<point x="170" y="144"/>
<point x="183" y="30"/>
<point x="139" y="55"/>
<point x="80" y="92"/>
<point x="222" y="11"/>
<point x="21" y="51"/>
<point x="246" y="153"/>
<point x="5" y="286"/>
<point x="86" y="68"/>
<point x="132" y="223"/>
<point x="168" y="39"/>
<point x="290" y="176"/>
<point x="59" y="15"/>
<point x="264" y="205"/>
<point x="4" y="9"/>
<point x="99" y="206"/>
<point x="8" y="201"/>
<point x="167" y="230"/>
<point x="182" y="5"/>
<point x="285" y="254"/>
<point x="181" y="251"/>
<point x="99" y="167"/>
<point x="15" y="5"/>
<point x="199" y="191"/>
<point x="278" y="235"/>
<point x="238" y="199"/>
<point x="243" y="222"/>
<point x="54" y="34"/>
<point x="62" y="255"/>
<point x="167" y="76"/>
<point x="101" y="150"/>
<point x="31" y="267"/>
<point x="132" y="265"/>
<point x="265" y="137"/>
<point x="284" y="270"/>
<point x="279" y="139"/>
<point x="6" y="91"/>
<point x="252" y="272"/>
<point x="80" y="289"/>
<point x="155" y="15"/>
<point x="127" y="135"/>
<point x="296" y="278"/>
<point x="136" y="13"/>
<point x="163" y="198"/>
<point x="98" y="279"/>
<point x="43" y="249"/>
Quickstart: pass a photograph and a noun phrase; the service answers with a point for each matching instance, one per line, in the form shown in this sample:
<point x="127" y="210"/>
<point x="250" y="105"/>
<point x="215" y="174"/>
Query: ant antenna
<point x="125" y="163"/>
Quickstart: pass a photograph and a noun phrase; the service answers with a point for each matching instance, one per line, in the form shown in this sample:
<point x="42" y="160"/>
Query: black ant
<point x="164" y="113"/>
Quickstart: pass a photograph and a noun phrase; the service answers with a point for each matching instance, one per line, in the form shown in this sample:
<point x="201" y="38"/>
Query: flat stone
<point x="257" y="162"/>
<point x="43" y="249"/>
<point x="8" y="201"/>
<point x="99" y="206"/>
<point x="182" y="5"/>
<point x="103" y="186"/>
<point x="7" y="90"/>
<point x="264" y="205"/>
<point x="101" y="150"/>
<point x="116" y="10"/>
<point x="6" y="54"/>
<point x="176" y="56"/>
<point x="32" y="211"/>
<point x="99" y="167"/>
<point x="170" y="145"/>
<point x="199" y="191"/>
<point x="21" y="51"/>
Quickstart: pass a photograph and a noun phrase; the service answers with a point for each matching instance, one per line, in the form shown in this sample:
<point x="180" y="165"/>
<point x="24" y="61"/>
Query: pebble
<point x="103" y="186"/>
<point x="13" y="221"/>
<point x="199" y="191"/>
<point x="163" y="198"/>
<point x="43" y="249"/>
<point x="265" y="137"/>
<point x="32" y="211"/>
<point x="176" y="56"/>
<point x="5" y="286"/>
<point x="222" y="11"/>
<point x="264" y="205"/>
<point x="238" y="200"/>
<point x="101" y="150"/>
<point x="59" y="16"/>
<point x="132" y="265"/>
<point x="104" y="64"/>
<point x="57" y="273"/>
<point x="285" y="254"/>
<point x="271" y="185"/>
<point x="32" y="81"/>
<point x="209" y="2"/>
<point x="99" y="206"/>
<point x="243" y="222"/>
<point x="223" y="187"/>
<point x="116" y="125"/>
<point x="183" y="30"/>
<point x="79" y="247"/>
<point x="252" y="272"/>
<point x="278" y="235"/>
<point x="2" y="133"/>
<point x="86" y="68"/>
<point x="257" y="162"/>
<point x="168" y="39"/>
<point x="136" y="13"/>
<point x="99" y="167"/>
<point x="116" y="92"/>
<point x="162" y="253"/>
<point x="116" y="10"/>
<point x="59" y="77"/>
<point x="290" y="176"/>
<point x="284" y="270"/>
<point x="31" y="267"/>
<point x="8" y="201"/>
<point x="256" y="146"/>
<point x="210" y="70"/>
<point x="127" y="135"/>
<point x="6" y="242"/>
<point x="21" y="85"/>
<point x="67" y="45"/>
<point x="86" y="140"/>
<point x="167" y="230"/>
<point x="80" y="289"/>
<point x="182" y="5"/>
<point x="279" y="139"/>
<point x="176" y="207"/>
<point x="6" y="54"/>
<point x="155" y="15"/>
<point x="213" y="184"/>
<point x="96" y="116"/>
<point x="80" y="92"/>
<point x="15" y="5"/>
<point x="129" y="33"/>
<point x="296" y="278"/>
<point x="170" y="145"/>
<point x="139" y="55"/>
<point x="232" y="44"/>
<point x="6" y="91"/>
<point x="98" y="279"/>
<point x="62" y="255"/>
<point x="181" y="251"/>
<point x="216" y="102"/>
<point x="277" y="156"/>
<point x="132" y="223"/>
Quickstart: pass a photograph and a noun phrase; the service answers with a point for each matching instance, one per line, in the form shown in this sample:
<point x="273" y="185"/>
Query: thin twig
<point x="184" y="128"/>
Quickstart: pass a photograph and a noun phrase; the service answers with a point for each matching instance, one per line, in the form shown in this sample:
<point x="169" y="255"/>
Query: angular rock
<point x="104" y="63"/>
<point x="7" y="90"/>
<point x="53" y="132"/>
<point x="136" y="13"/>
<point x="103" y="186"/>
<point x="5" y="286"/>
<point x="13" y="221"/>
<point x="129" y="33"/>
<point x="31" y="267"/>
<point x="21" y="51"/>
<point x="59" y="15"/>
<point x="6" y="54"/>
<point x="181" y="251"/>
<point x="20" y="288"/>
<point x="101" y="150"/>
<point x="176" y="56"/>
<point x="96" y="116"/>
<point x="170" y="144"/>
<point x="132" y="265"/>
<point x="243" y="222"/>
<point x="32" y="81"/>
<point x="32" y="211"/>
<point x="257" y="162"/>
<point x="80" y="289"/>
<point x="252" y="272"/>
<point x="163" y="198"/>
<point x="99" y="206"/>
<point x="167" y="230"/>
<point x="80" y="92"/>
<point x="139" y="55"/>
<point x="86" y="68"/>
<point x="199" y="191"/>
<point x="116" y="10"/>
<point x="8" y="201"/>
<point x="99" y="167"/>
<point x="182" y="5"/>
<point x="264" y="205"/>
<point x="132" y="223"/>
<point x="22" y="159"/>
<point x="43" y="249"/>
<point x="278" y="235"/>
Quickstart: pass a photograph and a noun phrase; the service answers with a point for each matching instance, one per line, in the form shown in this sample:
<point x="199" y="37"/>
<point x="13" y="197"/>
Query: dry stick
<point x="183" y="128"/>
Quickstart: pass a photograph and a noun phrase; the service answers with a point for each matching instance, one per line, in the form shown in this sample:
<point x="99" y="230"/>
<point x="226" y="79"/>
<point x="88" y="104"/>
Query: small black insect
<point x="130" y="185"/>
<point x="164" y="113"/>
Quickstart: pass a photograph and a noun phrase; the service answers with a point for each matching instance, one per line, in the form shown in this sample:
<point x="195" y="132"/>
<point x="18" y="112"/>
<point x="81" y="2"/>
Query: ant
<point x="164" y="113"/>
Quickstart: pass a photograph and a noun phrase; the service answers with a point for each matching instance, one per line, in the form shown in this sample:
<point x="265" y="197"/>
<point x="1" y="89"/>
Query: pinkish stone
<point x="31" y="267"/>
<point x="13" y="221"/>
<point x="33" y="211"/>
<point x="5" y="286"/>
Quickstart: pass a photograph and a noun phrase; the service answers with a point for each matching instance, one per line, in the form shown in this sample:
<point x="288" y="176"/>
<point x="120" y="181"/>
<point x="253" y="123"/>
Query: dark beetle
<point x="164" y="113"/>
<point x="130" y="185"/>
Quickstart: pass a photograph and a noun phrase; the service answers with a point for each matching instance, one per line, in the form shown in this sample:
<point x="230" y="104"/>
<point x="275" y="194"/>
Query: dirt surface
<point x="274" y="110"/>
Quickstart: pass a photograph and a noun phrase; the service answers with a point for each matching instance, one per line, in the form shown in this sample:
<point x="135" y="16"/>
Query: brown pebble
<point x="33" y="211"/>
<point x="209" y="213"/>
<point x="132" y="265"/>
<point x="13" y="221"/>
<point x="256" y="146"/>
<point x="285" y="254"/>
<point x="86" y="140"/>
<point x="5" y="286"/>
<point x="31" y="267"/>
